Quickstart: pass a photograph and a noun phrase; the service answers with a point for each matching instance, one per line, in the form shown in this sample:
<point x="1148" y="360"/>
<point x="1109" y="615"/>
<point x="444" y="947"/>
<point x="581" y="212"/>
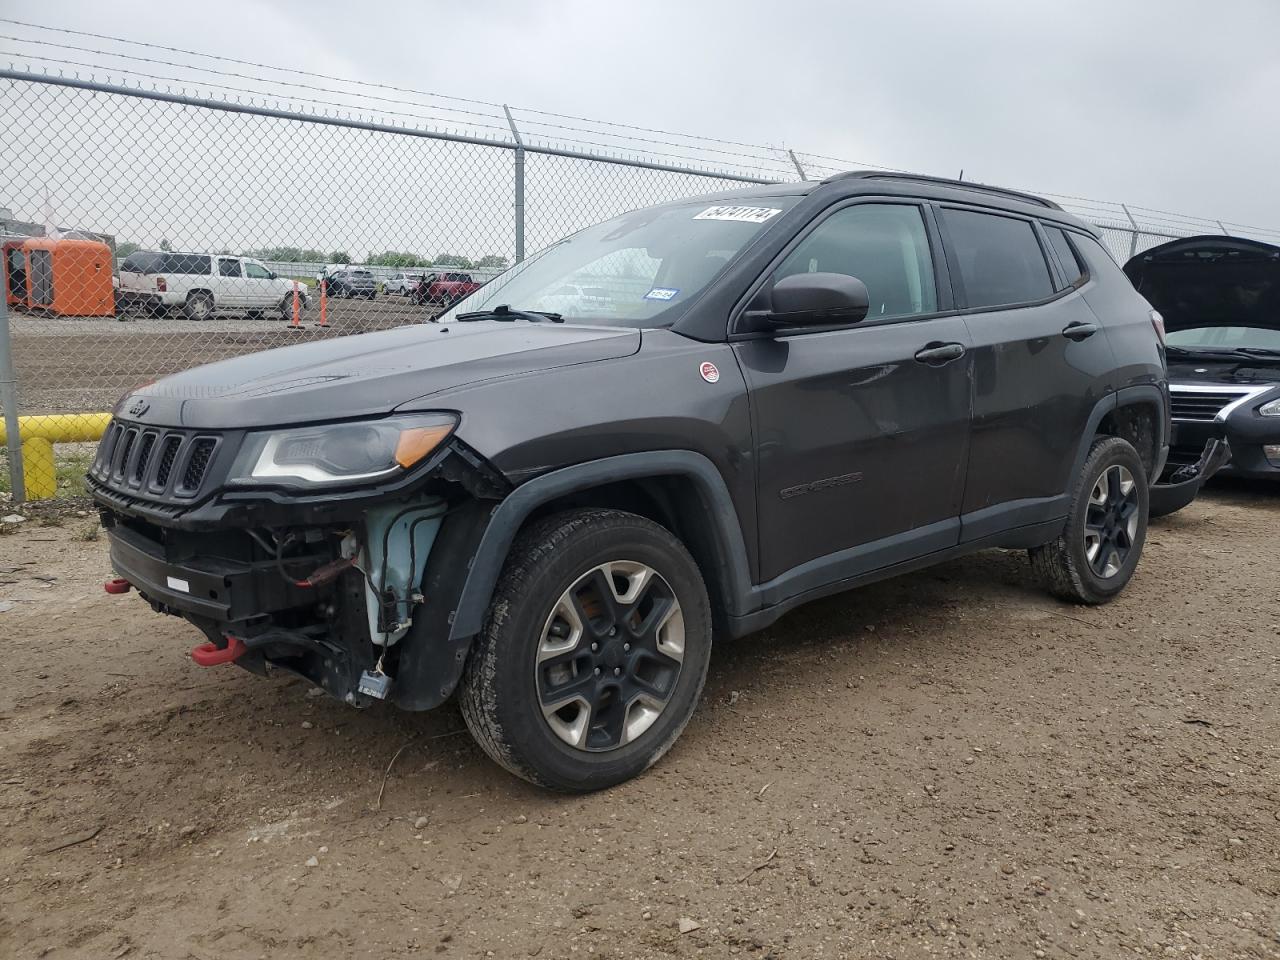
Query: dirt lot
<point x="948" y="764"/>
<point x="94" y="361"/>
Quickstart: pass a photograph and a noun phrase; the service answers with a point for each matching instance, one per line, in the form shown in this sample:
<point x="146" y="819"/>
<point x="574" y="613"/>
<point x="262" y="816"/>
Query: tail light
<point x="162" y="285"/>
<point x="1157" y="321"/>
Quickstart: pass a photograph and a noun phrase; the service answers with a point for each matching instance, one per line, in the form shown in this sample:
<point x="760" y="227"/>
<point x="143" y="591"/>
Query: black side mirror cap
<point x="818" y="299"/>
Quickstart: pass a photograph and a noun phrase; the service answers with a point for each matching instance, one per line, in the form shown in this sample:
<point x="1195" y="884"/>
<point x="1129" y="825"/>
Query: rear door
<point x="229" y="287"/>
<point x="861" y="431"/>
<point x="1041" y="363"/>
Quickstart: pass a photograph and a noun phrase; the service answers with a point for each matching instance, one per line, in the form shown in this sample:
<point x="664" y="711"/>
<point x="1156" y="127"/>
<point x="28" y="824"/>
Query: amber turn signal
<point x="416" y="442"/>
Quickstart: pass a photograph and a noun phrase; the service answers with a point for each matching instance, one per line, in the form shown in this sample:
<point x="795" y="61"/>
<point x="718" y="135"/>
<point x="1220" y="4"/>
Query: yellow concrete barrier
<point x="39" y="434"/>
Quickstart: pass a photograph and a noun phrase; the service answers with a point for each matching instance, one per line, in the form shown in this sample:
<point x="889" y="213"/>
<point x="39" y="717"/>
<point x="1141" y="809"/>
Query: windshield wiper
<point x="1245" y="354"/>
<point x="503" y="311"/>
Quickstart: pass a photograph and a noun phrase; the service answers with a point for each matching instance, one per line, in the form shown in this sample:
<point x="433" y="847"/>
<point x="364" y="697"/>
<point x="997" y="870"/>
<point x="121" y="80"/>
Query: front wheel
<point x="594" y="651"/>
<point x="1098" y="550"/>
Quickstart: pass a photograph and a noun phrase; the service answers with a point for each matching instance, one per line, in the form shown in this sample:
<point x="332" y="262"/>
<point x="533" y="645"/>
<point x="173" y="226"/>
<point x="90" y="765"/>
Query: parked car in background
<point x="1220" y="299"/>
<point x="203" y="284"/>
<point x="444" y="289"/>
<point x="820" y="385"/>
<point x="352" y="283"/>
<point x="402" y="283"/>
<point x="573" y="300"/>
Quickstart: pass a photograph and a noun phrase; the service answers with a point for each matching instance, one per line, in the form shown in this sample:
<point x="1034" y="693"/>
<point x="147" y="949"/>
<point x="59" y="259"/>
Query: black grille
<point x="154" y="463"/>
<point x="1201" y="406"/>
<point x="167" y="455"/>
<point x="121" y="460"/>
<point x="197" y="464"/>
<point x="144" y="456"/>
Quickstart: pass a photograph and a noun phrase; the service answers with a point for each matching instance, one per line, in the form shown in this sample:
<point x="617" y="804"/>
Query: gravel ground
<point x="947" y="764"/>
<point x="94" y="361"/>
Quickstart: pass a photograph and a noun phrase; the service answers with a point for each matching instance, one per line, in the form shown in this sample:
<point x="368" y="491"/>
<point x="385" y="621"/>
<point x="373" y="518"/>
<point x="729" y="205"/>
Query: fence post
<point x="9" y="400"/>
<point x="799" y="169"/>
<point x="519" y="184"/>
<point x="1133" y="243"/>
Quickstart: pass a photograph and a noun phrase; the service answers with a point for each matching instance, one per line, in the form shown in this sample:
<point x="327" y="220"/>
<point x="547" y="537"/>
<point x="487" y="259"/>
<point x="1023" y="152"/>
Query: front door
<point x="861" y="432"/>
<point x="261" y="289"/>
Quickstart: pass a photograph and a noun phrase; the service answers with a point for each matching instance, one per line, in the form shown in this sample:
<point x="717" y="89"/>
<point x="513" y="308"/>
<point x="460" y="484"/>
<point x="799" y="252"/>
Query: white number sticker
<point x="738" y="214"/>
<point x="176" y="584"/>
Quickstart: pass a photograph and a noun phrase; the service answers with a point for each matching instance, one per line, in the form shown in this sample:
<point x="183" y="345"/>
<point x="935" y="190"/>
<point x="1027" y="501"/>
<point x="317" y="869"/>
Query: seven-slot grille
<point x="1201" y="406"/>
<point x="153" y="461"/>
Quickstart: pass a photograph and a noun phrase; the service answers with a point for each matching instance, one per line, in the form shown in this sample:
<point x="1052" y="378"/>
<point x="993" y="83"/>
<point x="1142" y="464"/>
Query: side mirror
<point x="273" y="275"/>
<point x="818" y="299"/>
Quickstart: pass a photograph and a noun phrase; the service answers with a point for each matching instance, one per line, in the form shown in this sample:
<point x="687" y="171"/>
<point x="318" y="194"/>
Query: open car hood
<point x="1211" y="281"/>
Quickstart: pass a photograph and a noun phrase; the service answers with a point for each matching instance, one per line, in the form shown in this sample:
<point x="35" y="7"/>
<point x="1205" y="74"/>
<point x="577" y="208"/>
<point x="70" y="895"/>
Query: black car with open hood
<point x="1220" y="299"/>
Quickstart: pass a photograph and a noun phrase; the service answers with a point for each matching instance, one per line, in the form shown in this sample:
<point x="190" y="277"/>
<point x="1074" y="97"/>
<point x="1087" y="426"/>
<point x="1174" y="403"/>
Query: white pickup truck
<point x="203" y="284"/>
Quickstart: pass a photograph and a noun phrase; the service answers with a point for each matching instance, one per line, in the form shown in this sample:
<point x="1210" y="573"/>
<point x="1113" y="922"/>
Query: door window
<point x="255" y="272"/>
<point x="228" y="268"/>
<point x="1000" y="259"/>
<point x="1071" y="269"/>
<point x="882" y="244"/>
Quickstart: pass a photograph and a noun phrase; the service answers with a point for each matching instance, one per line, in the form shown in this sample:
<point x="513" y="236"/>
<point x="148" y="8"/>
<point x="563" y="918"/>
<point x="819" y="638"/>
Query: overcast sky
<point x="1171" y="104"/>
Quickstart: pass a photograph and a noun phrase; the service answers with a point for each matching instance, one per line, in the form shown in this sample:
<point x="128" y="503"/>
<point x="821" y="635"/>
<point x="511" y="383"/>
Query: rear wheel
<point x="199" y="306"/>
<point x="593" y="654"/>
<point x="1099" y="549"/>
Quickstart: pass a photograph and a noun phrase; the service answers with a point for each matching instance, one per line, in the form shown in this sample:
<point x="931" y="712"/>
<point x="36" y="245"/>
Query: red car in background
<point x="444" y="289"/>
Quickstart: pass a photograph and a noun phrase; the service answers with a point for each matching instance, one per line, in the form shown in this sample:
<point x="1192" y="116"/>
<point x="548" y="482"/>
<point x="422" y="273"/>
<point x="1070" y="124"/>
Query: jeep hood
<point x="368" y="374"/>
<point x="1211" y="281"/>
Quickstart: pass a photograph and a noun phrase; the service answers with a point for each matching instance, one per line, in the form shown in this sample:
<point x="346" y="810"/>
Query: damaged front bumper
<point x="354" y="592"/>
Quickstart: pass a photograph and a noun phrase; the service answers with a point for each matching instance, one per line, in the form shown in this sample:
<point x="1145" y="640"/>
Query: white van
<point x="203" y="284"/>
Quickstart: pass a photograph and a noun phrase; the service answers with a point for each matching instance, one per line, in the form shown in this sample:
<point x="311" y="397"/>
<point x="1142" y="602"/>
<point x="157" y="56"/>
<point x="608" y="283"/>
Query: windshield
<point x="1225" y="338"/>
<point x="638" y="269"/>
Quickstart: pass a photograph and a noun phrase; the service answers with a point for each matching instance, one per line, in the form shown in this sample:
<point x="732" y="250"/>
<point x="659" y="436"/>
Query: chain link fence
<point x="145" y="232"/>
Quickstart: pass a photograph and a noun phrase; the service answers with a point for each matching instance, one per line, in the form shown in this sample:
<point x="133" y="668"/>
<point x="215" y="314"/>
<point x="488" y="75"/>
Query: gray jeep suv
<point x="767" y="397"/>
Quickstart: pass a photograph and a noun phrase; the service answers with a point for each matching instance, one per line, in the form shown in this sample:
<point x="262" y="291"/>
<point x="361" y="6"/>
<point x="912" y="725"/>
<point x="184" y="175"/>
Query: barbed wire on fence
<point x="147" y="230"/>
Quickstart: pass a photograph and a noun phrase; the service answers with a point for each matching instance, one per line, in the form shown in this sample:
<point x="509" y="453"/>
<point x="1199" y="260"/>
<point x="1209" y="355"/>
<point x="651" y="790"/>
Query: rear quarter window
<point x="142" y="262"/>
<point x="1000" y="259"/>
<point x="1072" y="269"/>
<point x="186" y="263"/>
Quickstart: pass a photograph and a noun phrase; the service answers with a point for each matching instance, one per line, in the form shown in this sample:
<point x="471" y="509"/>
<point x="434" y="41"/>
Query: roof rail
<point x="944" y="182"/>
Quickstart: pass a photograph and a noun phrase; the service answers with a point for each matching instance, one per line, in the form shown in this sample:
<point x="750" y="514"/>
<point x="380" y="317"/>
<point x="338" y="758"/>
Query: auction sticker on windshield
<point x="738" y="214"/>
<point x="662" y="293"/>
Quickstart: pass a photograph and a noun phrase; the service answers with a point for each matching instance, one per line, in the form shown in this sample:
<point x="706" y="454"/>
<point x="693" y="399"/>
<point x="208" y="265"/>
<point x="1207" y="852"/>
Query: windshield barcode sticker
<point x="662" y="293"/>
<point x="739" y="214"/>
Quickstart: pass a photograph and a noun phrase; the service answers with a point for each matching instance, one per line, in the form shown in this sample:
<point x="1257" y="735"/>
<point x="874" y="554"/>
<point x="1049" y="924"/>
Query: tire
<point x="1099" y="549"/>
<point x="199" y="306"/>
<point x="526" y="654"/>
<point x="286" y="305"/>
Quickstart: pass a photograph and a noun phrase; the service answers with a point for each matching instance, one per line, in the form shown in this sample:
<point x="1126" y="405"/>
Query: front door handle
<point x="1079" y="331"/>
<point x="936" y="354"/>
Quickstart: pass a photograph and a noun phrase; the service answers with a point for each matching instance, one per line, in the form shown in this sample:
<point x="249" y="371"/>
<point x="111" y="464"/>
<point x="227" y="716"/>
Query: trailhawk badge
<point x="709" y="371"/>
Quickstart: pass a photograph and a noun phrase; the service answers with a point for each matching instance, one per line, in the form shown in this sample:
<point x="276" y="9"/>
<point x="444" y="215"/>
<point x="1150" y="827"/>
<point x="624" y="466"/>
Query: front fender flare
<point x="734" y="572"/>
<point x="433" y="660"/>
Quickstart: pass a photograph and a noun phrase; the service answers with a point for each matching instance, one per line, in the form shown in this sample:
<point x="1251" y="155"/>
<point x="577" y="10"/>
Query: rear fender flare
<point x="1148" y="395"/>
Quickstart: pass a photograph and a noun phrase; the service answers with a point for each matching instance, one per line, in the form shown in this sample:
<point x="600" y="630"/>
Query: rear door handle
<point x="1079" y="331"/>
<point x="936" y="354"/>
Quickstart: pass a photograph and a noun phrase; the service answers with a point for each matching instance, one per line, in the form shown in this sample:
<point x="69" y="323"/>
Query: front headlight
<point x="335" y="453"/>
<point x="1271" y="409"/>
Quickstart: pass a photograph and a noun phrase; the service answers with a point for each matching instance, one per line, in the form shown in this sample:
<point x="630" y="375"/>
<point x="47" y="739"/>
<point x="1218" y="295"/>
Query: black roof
<point x="912" y="185"/>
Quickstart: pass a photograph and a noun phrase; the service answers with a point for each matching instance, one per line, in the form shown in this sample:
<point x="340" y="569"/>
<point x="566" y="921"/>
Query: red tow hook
<point x="117" y="585"/>
<point x="209" y="655"/>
